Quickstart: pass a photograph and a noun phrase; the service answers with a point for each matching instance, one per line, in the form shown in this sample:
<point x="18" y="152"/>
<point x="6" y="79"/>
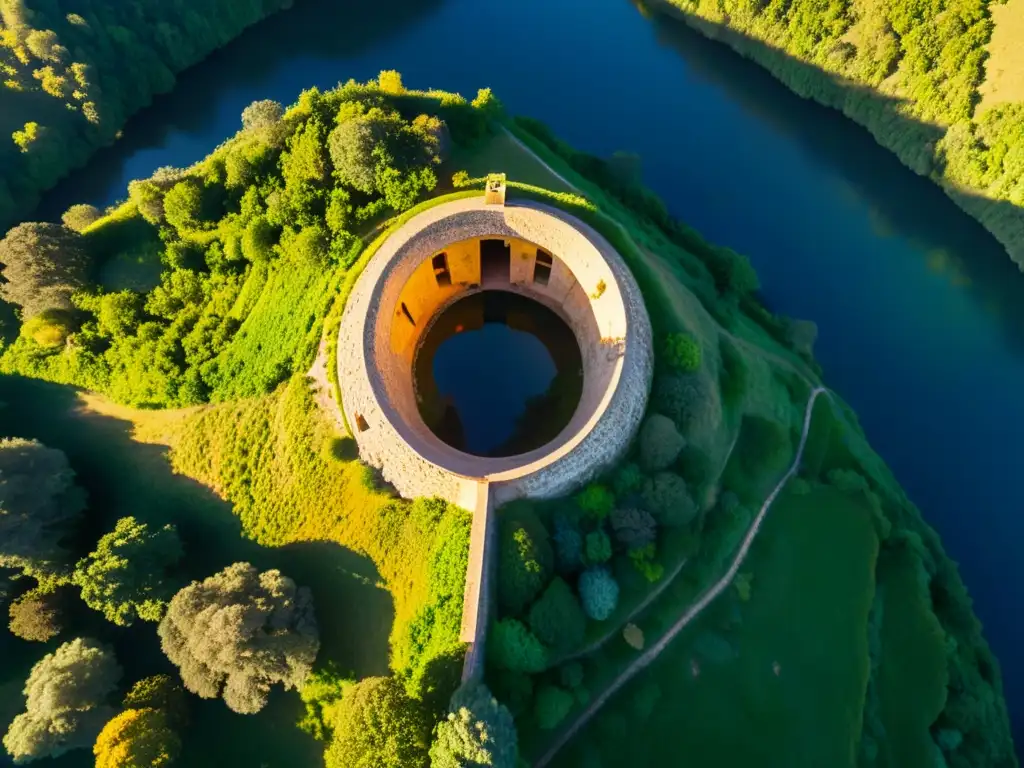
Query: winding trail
<point x="323" y="392"/>
<point x="694" y="610"/>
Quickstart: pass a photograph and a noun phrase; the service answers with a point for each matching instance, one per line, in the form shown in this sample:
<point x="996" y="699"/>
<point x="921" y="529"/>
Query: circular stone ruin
<point x="464" y="247"/>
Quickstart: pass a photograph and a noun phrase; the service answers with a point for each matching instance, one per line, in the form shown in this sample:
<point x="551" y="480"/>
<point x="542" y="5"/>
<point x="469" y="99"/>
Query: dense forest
<point x="911" y="72"/>
<point x="73" y="71"/>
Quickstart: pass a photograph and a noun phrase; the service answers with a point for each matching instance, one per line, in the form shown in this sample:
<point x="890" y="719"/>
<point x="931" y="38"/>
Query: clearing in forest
<point x="1004" y="70"/>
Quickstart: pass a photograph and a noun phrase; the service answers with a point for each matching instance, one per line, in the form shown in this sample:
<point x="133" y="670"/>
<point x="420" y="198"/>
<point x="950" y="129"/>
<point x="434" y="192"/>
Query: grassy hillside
<point x="290" y="478"/>
<point x="786" y="664"/>
<point x="842" y="639"/>
<point x="212" y="289"/>
<point x="935" y="82"/>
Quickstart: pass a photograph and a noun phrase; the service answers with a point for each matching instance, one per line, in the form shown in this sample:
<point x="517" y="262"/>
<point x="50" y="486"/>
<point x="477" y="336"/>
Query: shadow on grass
<point x="124" y="477"/>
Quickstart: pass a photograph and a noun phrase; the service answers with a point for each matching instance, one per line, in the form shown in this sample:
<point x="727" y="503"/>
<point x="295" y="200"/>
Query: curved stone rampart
<point x="589" y="286"/>
<point x="606" y="312"/>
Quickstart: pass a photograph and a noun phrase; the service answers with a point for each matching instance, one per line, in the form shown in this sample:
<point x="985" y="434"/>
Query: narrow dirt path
<point x="694" y="610"/>
<point x="323" y="392"/>
<point x="540" y="160"/>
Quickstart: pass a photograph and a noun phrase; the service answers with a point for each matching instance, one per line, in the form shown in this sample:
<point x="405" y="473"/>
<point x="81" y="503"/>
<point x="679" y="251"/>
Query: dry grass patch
<point x="1004" y="70"/>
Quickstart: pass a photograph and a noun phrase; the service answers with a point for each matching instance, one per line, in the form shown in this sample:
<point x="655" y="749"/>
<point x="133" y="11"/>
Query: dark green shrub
<point x="681" y="351"/>
<point x="557" y="618"/>
<point x="667" y="498"/>
<point x="633" y="527"/>
<point x="596" y="501"/>
<point x="598" y="548"/>
<point x="599" y="593"/>
<point x="763" y="447"/>
<point x="513" y="689"/>
<point x="514" y="647"/>
<point x="568" y="546"/>
<point x="525" y="558"/>
<point x="627" y="478"/>
<point x="552" y="705"/>
<point x="660" y="442"/>
<point x="695" y="467"/>
<point x="685" y="398"/>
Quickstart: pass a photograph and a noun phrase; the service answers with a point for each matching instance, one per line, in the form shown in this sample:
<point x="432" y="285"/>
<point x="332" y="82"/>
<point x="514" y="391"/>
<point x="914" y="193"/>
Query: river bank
<point x="932" y="149"/>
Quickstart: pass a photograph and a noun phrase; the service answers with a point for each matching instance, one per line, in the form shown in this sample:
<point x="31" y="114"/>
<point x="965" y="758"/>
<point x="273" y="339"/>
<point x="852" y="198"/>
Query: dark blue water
<point x="919" y="310"/>
<point x="498" y="375"/>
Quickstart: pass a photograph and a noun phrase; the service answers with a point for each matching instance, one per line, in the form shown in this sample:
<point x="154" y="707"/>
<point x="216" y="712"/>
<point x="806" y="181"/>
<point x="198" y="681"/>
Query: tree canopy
<point x="525" y="558"/>
<point x="67" y="89"/>
<point x="478" y="732"/>
<point x="174" y="318"/>
<point x="65" y="701"/>
<point x="660" y="442"/>
<point x="137" y="738"/>
<point x="512" y="646"/>
<point x="43" y="264"/>
<point x="36" y="615"/>
<point x="125" y="577"/>
<point x="557" y="619"/>
<point x="239" y="632"/>
<point x="377" y="725"/>
<point x="39" y="505"/>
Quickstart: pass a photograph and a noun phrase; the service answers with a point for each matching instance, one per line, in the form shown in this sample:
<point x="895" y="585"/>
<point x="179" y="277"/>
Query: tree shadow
<point x="911" y="206"/>
<point x="122" y="477"/>
<point x="344" y="448"/>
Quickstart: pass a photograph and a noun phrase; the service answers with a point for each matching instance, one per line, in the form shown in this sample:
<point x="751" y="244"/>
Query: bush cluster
<point x="240" y="255"/>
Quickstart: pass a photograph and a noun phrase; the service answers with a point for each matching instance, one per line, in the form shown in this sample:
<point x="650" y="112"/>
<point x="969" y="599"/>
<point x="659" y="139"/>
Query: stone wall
<point x="591" y="287"/>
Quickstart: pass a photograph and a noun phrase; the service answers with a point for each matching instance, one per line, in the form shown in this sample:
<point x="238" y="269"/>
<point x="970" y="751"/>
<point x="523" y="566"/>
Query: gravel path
<point x="323" y="392"/>
<point x="721" y="585"/>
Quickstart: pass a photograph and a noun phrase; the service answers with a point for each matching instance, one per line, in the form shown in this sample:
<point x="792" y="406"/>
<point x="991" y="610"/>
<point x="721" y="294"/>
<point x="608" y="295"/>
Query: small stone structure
<point x="494" y="192"/>
<point x="407" y="284"/>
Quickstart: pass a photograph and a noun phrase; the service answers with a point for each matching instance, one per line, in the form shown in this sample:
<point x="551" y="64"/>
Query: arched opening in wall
<point x="441" y="271"/>
<point x="495" y="263"/>
<point x="498" y="374"/>
<point x="542" y="267"/>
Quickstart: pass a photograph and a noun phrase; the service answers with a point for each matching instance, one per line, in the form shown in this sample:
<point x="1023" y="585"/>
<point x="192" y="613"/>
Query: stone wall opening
<point x="497" y="374"/>
<point x="434" y="261"/>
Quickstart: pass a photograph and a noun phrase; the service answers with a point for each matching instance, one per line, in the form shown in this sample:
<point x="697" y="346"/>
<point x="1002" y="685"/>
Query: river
<point x="919" y="310"/>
